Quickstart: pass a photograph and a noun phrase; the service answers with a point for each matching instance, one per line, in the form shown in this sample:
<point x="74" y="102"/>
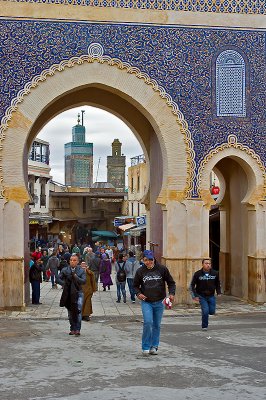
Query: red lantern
<point x="215" y="190"/>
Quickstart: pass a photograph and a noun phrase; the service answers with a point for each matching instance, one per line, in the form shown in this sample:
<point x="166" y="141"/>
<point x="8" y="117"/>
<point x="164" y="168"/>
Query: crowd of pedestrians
<point x="82" y="270"/>
<point x="49" y="262"/>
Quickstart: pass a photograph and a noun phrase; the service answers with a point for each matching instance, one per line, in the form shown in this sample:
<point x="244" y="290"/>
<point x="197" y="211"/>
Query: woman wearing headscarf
<point x="105" y="272"/>
<point x="88" y="289"/>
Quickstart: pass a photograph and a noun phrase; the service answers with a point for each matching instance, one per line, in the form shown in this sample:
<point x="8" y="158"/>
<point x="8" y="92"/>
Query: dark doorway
<point x="214" y="232"/>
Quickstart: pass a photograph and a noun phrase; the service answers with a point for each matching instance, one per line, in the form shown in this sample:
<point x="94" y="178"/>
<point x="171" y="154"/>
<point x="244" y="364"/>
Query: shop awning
<point x="106" y="234"/>
<point x="39" y="218"/>
<point x="126" y="226"/>
<point x="137" y="231"/>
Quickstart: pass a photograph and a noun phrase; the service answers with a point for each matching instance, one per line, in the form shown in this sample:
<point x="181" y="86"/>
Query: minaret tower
<point x="116" y="166"/>
<point x="79" y="157"/>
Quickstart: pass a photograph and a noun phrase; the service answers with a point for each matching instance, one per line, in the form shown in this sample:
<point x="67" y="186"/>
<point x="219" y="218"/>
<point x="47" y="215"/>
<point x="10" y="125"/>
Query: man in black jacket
<point x="149" y="285"/>
<point x="203" y="286"/>
<point x="71" y="278"/>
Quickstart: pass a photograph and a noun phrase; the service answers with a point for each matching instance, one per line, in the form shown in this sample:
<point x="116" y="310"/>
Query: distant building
<point x="78" y="211"/>
<point x="137" y="183"/>
<point x="38" y="186"/>
<point x="116" y="164"/>
<point x="79" y="158"/>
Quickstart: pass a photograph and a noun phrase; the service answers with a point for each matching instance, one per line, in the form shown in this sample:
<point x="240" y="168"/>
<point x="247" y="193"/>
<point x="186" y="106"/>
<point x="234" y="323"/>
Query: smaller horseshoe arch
<point x="249" y="161"/>
<point x="240" y="210"/>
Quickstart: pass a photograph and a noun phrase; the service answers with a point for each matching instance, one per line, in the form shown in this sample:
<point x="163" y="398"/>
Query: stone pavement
<point x="104" y="305"/>
<point x="40" y="361"/>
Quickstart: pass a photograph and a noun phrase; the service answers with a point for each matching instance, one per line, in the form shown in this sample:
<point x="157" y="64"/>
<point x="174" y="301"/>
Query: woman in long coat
<point x="105" y="272"/>
<point x="88" y="289"/>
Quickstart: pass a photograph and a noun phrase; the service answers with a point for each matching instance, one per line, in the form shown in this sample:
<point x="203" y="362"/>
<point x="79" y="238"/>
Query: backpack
<point x="121" y="275"/>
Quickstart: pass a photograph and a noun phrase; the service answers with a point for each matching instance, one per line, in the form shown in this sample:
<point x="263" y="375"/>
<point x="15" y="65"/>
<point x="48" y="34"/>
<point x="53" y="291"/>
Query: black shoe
<point x="104" y="289"/>
<point x="108" y="287"/>
<point x="125" y="300"/>
<point x="86" y="319"/>
<point x="118" y="301"/>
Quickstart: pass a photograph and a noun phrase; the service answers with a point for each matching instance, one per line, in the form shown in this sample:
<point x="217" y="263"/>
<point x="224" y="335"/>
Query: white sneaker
<point x="154" y="351"/>
<point x="145" y="353"/>
<point x="204" y="329"/>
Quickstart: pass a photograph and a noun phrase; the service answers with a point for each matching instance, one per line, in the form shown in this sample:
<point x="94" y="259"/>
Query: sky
<point x="102" y="128"/>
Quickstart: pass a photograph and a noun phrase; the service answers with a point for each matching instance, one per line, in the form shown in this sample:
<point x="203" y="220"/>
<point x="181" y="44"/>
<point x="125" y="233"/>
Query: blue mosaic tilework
<point x="182" y="60"/>
<point x="213" y="6"/>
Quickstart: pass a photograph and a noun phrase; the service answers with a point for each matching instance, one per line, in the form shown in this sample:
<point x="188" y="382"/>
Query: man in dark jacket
<point x="53" y="265"/>
<point x="94" y="265"/>
<point x="35" y="276"/>
<point x="149" y="285"/>
<point x="203" y="286"/>
<point x="71" y="278"/>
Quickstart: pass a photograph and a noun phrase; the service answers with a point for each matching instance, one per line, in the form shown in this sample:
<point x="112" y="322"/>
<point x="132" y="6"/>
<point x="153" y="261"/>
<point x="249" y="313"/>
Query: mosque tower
<point x="116" y="165"/>
<point x="79" y="158"/>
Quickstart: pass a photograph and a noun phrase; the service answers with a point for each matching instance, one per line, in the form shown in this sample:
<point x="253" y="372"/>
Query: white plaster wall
<point x="13" y="230"/>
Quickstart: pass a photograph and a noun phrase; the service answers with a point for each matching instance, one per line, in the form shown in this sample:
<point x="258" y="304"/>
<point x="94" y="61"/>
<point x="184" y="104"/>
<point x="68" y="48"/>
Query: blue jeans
<point x="152" y="314"/>
<point x="36" y="292"/>
<point x="131" y="288"/>
<point x="75" y="323"/>
<point x="121" y="287"/>
<point x="54" y="276"/>
<point x="208" y="306"/>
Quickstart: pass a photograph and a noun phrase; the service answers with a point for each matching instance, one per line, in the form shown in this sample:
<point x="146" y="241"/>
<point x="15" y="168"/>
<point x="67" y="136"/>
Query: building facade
<point x="79" y="158"/>
<point x="78" y="211"/>
<point x="38" y="186"/>
<point x="137" y="185"/>
<point x="116" y="166"/>
<point x="188" y="77"/>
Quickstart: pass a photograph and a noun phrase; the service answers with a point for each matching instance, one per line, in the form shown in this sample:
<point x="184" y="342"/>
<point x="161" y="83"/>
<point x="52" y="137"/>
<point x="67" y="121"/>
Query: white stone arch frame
<point x="249" y="161"/>
<point x="154" y="103"/>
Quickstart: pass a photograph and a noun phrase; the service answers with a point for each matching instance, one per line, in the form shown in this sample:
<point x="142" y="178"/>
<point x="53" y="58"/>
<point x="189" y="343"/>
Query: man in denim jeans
<point x="149" y="285"/>
<point x="203" y="286"/>
<point x="71" y="278"/>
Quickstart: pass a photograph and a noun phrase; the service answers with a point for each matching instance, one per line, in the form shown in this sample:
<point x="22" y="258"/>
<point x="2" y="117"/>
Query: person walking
<point x="150" y="287"/>
<point x="109" y="252"/>
<point x="203" y="286"/>
<point x="105" y="270"/>
<point x="88" y="255"/>
<point x="35" y="277"/>
<point x="94" y="266"/>
<point x="75" y="249"/>
<point x="37" y="253"/>
<point x="53" y="265"/>
<point x="88" y="289"/>
<point x="72" y="278"/>
<point x="44" y="259"/>
<point x="121" y="278"/>
<point x="67" y="255"/>
<point x="131" y="266"/>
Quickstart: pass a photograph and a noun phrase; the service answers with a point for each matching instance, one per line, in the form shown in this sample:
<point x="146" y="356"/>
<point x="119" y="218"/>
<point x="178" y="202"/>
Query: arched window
<point x="230" y="84"/>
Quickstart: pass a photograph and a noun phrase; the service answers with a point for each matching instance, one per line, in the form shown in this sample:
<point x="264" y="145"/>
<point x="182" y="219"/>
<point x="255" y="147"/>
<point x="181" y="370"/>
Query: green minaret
<point x="79" y="158"/>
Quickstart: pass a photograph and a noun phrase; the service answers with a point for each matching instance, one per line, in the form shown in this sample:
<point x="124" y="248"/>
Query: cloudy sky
<point x="101" y="129"/>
